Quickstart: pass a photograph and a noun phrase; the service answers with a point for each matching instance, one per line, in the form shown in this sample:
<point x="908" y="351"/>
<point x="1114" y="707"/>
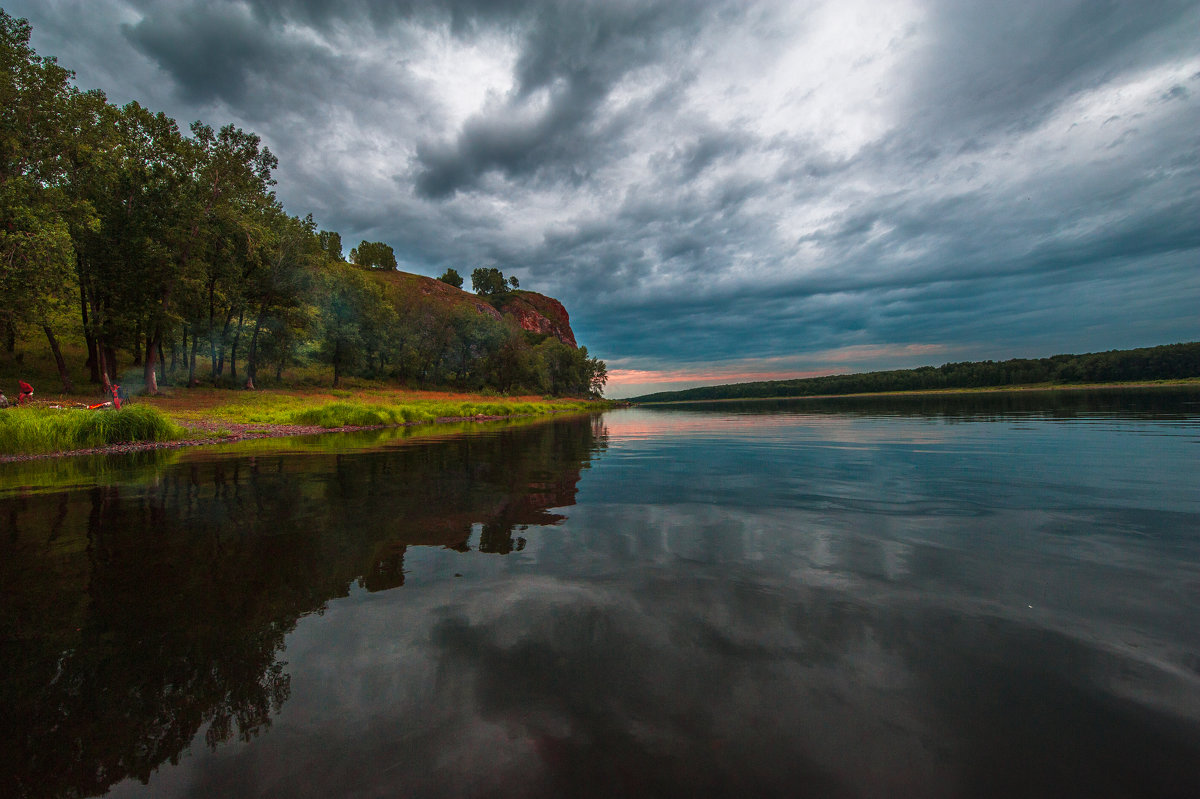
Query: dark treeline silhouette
<point x="1167" y="402"/>
<point x="140" y="614"/>
<point x="1168" y="362"/>
<point x="167" y="253"/>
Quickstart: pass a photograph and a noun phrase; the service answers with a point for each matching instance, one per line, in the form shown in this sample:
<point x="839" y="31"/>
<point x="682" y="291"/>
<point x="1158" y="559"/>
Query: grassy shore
<point x="364" y="407"/>
<point x="38" y="429"/>
<point x="201" y="414"/>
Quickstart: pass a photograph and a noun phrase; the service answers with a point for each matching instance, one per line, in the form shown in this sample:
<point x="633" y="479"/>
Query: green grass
<point x="370" y="411"/>
<point x="342" y="414"/>
<point x="35" y="430"/>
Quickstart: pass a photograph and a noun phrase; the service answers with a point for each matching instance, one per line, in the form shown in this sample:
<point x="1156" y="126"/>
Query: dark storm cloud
<point x="211" y="52"/>
<point x="713" y="181"/>
<point x="575" y="53"/>
<point x="514" y="147"/>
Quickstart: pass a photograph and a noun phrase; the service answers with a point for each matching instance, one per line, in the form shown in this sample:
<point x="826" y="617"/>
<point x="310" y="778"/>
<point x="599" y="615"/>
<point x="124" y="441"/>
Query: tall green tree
<point x="354" y="314"/>
<point x="127" y="265"/>
<point x="373" y="255"/>
<point x="490" y="282"/>
<point x="230" y="183"/>
<point x="279" y="287"/>
<point x="331" y="244"/>
<point x="36" y="206"/>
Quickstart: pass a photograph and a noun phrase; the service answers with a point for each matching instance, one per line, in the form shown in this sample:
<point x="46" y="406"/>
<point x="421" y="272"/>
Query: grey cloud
<point x="576" y="53"/>
<point x="511" y="146"/>
<point x="999" y="68"/>
<point x="207" y="55"/>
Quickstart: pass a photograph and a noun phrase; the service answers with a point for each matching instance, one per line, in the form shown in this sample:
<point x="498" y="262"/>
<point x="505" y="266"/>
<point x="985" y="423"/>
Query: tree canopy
<point x="490" y="282"/>
<point x="373" y="255"/>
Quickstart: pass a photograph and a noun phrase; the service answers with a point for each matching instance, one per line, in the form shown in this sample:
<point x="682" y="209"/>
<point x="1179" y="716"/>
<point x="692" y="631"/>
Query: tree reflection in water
<point x="135" y="615"/>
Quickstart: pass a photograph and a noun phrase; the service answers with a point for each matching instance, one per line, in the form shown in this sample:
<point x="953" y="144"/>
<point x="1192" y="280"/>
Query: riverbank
<point x="213" y="416"/>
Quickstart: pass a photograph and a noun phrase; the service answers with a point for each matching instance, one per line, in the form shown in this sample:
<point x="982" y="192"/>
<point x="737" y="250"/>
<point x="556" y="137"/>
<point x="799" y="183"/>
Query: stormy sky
<point x="722" y="191"/>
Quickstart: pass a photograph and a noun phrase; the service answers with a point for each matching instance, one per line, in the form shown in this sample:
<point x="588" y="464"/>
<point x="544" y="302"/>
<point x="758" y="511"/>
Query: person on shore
<point x="26" y="392"/>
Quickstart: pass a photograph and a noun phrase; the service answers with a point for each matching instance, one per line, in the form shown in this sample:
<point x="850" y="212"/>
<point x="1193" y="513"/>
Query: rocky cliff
<point x="527" y="310"/>
<point x="538" y="313"/>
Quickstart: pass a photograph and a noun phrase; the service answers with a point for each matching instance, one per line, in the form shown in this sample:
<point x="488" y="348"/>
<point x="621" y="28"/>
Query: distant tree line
<point x="169" y="251"/>
<point x="1168" y="362"/>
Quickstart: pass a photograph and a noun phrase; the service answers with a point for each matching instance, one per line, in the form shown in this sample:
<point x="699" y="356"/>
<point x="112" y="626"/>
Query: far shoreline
<point x="1191" y="382"/>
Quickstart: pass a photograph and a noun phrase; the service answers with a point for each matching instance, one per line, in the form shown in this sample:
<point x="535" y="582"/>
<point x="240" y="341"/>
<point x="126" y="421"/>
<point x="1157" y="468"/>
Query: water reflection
<point x="966" y="602"/>
<point x="785" y="689"/>
<point x="136" y="615"/>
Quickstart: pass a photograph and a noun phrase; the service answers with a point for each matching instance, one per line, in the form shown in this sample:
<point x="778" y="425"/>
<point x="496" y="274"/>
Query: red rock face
<point x="534" y="312"/>
<point x="538" y="313"/>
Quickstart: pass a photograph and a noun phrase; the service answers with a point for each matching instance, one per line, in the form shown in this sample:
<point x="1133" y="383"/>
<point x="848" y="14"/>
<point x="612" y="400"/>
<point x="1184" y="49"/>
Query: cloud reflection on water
<point x="983" y="603"/>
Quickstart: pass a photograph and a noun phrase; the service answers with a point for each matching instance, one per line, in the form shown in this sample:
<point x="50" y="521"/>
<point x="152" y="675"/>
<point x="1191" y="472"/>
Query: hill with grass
<point x="525" y="310"/>
<point x="1168" y="362"/>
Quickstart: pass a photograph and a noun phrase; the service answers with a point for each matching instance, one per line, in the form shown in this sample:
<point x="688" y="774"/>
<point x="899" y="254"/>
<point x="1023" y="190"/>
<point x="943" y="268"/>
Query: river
<point x="991" y="595"/>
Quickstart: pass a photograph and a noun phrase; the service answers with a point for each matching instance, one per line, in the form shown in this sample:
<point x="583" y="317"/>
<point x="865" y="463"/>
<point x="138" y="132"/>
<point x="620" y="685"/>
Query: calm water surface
<point x="984" y="597"/>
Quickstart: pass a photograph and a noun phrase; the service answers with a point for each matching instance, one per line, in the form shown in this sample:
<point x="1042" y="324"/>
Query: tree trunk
<point x="219" y="360"/>
<point x="155" y="334"/>
<point x="148" y="376"/>
<point x="110" y="363"/>
<point x="237" y="335"/>
<point x="252" y="354"/>
<point x="337" y="363"/>
<point x="68" y="386"/>
<point x="162" y="360"/>
<point x="93" y="363"/>
<point x="192" y="361"/>
<point x="212" y="325"/>
<point x="102" y="363"/>
<point x="10" y="336"/>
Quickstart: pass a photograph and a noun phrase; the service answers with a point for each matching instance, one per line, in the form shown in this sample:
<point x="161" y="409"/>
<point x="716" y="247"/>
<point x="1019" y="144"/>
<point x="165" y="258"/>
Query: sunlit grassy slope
<point x="337" y="408"/>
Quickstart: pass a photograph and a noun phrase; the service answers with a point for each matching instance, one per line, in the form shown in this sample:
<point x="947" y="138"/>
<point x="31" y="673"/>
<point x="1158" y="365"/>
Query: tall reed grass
<point x="36" y="430"/>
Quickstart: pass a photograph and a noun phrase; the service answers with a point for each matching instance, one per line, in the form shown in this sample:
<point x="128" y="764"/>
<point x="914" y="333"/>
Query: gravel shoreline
<point x="237" y="432"/>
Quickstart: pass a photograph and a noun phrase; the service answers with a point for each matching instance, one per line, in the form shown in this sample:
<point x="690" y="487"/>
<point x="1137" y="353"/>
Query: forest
<point x="134" y="248"/>
<point x="1168" y="362"/>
